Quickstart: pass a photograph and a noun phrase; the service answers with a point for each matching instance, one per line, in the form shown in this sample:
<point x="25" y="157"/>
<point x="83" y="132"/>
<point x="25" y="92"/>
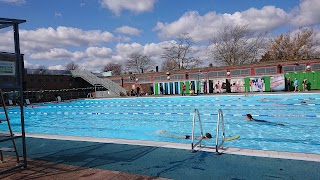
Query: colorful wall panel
<point x="237" y="85"/>
<point x="256" y="84"/>
<point x="277" y="83"/>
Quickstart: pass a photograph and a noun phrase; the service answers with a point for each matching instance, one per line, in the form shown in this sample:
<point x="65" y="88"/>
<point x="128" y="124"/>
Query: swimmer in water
<point x="207" y="135"/>
<point x="263" y="100"/>
<point x="306" y="100"/>
<point x="250" y="118"/>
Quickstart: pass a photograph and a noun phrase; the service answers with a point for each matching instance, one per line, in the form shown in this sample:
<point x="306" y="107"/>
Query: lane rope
<point x="175" y="105"/>
<point x="163" y="113"/>
<point x="190" y="100"/>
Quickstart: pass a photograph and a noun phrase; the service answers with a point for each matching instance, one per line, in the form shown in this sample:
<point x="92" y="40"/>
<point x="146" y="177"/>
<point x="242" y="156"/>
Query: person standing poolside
<point x="296" y="84"/>
<point x="183" y="89"/>
<point x="304" y="84"/>
<point x="250" y="82"/>
<point x="250" y="118"/>
<point x="288" y="83"/>
<point x="191" y="88"/>
<point x="138" y="91"/>
<point x="161" y="89"/>
<point x="151" y="89"/>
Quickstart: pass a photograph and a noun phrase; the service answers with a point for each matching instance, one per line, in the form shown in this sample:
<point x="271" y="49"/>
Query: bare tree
<point x="236" y="45"/>
<point x="115" y="68"/>
<point x="72" y="66"/>
<point x="292" y="46"/>
<point x="138" y="62"/>
<point x="180" y="53"/>
<point x="168" y="65"/>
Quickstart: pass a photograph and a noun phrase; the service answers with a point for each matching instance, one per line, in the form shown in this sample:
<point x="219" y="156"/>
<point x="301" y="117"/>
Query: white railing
<point x="94" y="80"/>
<point x="195" y="115"/>
<point x="219" y="120"/>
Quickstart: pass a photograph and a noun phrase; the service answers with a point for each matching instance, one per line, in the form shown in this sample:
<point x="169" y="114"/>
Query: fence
<point x="47" y="95"/>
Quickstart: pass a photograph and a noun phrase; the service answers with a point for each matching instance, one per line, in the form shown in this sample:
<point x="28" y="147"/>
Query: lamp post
<point x="122" y="81"/>
<point x="168" y="75"/>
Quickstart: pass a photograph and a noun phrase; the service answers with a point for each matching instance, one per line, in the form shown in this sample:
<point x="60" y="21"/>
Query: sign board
<point x="7" y="68"/>
<point x="8" y="71"/>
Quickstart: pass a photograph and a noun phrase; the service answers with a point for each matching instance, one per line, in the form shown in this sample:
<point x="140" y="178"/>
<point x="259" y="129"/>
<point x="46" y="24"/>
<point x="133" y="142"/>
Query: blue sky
<point x="92" y="33"/>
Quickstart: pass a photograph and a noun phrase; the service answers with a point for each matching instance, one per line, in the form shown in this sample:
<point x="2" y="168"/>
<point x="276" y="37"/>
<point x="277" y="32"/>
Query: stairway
<point x="113" y="88"/>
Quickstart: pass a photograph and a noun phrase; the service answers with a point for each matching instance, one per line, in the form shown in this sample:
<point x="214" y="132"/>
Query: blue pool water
<point x="142" y="118"/>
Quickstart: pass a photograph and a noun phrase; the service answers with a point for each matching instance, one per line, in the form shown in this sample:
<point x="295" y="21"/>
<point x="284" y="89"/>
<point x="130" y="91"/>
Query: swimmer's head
<point x="249" y="116"/>
<point x="208" y="135"/>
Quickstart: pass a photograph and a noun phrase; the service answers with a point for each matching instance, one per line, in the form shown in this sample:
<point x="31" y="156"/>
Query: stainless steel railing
<point x="193" y="145"/>
<point x="94" y="80"/>
<point x="219" y="120"/>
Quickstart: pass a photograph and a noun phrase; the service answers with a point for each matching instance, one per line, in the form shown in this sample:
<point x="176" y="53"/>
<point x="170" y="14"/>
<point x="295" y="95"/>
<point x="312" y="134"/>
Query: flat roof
<point x="6" y="22"/>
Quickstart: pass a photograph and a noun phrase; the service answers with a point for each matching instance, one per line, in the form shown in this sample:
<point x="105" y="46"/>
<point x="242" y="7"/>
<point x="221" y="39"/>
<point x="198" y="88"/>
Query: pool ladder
<point x="220" y="120"/>
<point x="193" y="145"/>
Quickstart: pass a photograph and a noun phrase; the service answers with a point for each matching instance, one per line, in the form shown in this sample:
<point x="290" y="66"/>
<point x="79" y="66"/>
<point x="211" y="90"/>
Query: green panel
<point x="310" y="82"/>
<point x="301" y="76"/>
<point x="187" y="87"/>
<point x="156" y="88"/>
<point x="247" y="84"/>
<point x="267" y="83"/>
<point x="180" y="87"/>
<point x="317" y="78"/>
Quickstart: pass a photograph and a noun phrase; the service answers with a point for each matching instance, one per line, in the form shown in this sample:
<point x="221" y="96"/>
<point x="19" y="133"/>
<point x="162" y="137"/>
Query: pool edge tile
<point x="226" y="150"/>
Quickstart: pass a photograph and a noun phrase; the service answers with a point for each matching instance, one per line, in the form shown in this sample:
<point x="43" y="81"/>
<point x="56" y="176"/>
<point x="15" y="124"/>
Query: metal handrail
<point x="193" y="145"/>
<point x="220" y="119"/>
<point x="94" y="80"/>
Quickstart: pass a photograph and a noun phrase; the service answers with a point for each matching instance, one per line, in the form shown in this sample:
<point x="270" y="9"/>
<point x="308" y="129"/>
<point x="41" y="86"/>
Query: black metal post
<point x="21" y="70"/>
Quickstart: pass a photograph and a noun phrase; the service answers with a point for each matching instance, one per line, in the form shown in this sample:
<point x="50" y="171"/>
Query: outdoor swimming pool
<point x="140" y="118"/>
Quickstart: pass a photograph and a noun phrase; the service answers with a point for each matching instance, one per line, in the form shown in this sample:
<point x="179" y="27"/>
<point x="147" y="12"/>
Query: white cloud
<point x="15" y="2"/>
<point x="307" y="13"/>
<point x="268" y="18"/>
<point x="202" y="28"/>
<point x="64" y="54"/>
<point x="96" y="52"/>
<point x="126" y="49"/>
<point x="57" y="67"/>
<point x="56" y="53"/>
<point x="43" y="39"/>
<point x="27" y="64"/>
<point x="137" y="6"/>
<point x="6" y="41"/>
<point x="128" y="30"/>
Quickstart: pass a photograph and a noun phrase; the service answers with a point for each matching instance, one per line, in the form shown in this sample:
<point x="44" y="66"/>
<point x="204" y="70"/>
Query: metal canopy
<point x="6" y="22"/>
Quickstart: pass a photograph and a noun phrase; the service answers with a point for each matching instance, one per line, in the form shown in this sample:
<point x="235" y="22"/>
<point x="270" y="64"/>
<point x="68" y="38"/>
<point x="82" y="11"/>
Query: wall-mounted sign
<point x="7" y="68"/>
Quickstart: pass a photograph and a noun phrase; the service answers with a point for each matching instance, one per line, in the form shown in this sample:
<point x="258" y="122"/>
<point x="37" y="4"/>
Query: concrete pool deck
<point x="101" y="158"/>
